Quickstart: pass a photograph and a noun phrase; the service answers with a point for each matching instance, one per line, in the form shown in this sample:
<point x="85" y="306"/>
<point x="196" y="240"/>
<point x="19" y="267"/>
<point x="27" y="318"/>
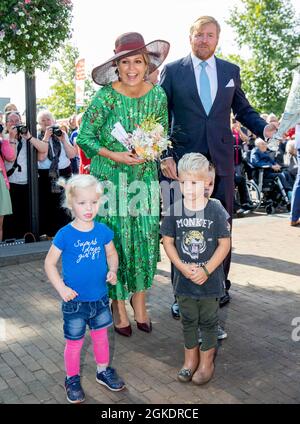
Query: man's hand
<point x="270" y="130"/>
<point x="168" y="168"/>
<point x="276" y="167"/>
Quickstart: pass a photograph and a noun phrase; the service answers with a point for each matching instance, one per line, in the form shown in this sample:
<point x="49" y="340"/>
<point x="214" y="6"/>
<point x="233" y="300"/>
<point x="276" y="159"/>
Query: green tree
<point x="62" y="101"/>
<point x="270" y="29"/>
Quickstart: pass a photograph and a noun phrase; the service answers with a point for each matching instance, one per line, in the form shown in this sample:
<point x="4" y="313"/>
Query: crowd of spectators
<point x="59" y="155"/>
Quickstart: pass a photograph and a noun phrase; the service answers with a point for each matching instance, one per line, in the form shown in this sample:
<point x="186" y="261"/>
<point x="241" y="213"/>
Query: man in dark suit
<point x="202" y="90"/>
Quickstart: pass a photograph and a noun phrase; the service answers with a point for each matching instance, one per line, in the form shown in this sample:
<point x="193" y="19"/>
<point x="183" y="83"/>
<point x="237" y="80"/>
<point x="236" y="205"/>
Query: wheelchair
<point x="269" y="190"/>
<point x="254" y="194"/>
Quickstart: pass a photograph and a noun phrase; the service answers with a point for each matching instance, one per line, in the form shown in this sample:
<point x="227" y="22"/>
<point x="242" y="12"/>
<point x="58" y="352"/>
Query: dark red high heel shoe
<point x="123" y="331"/>
<point x="143" y="326"/>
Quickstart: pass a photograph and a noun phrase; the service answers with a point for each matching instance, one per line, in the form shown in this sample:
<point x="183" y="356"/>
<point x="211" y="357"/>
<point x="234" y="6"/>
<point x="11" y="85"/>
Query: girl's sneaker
<point x="75" y="393"/>
<point x="110" y="379"/>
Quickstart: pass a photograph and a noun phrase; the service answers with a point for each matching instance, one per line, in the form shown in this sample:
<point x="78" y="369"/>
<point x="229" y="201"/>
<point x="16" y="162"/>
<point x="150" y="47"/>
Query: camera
<point x="56" y="131"/>
<point x="22" y="129"/>
<point x="1" y="128"/>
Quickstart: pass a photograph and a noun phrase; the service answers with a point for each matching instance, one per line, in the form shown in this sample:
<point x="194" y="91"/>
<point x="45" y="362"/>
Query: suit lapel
<point x="223" y="79"/>
<point x="191" y="86"/>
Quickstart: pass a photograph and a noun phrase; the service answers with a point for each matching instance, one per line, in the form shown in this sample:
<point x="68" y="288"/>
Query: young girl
<point x="86" y="248"/>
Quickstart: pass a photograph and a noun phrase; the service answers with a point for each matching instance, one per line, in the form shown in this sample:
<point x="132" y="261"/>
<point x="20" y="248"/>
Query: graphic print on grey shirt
<point x="196" y="237"/>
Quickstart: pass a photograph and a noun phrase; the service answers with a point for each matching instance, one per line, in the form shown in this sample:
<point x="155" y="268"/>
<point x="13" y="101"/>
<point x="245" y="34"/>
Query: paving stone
<point x="256" y="364"/>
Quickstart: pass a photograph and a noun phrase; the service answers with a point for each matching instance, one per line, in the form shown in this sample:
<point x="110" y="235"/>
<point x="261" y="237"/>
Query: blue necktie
<point x="205" y="94"/>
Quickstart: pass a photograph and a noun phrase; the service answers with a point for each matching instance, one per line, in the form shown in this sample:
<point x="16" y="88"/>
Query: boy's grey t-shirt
<point x="196" y="237"/>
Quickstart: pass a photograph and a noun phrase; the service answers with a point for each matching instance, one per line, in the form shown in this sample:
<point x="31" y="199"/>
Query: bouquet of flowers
<point x="148" y="140"/>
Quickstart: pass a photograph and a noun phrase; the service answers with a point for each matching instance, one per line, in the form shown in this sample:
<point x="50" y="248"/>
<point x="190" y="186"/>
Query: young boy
<point x="196" y="238"/>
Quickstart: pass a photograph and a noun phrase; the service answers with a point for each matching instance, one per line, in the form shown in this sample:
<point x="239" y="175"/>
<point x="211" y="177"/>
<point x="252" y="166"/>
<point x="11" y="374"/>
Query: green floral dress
<point x="131" y="208"/>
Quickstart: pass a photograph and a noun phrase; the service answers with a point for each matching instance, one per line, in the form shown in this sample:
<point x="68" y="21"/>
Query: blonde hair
<point x="79" y="119"/>
<point x="78" y="181"/>
<point x="203" y="20"/>
<point x="211" y="168"/>
<point x="193" y="162"/>
<point x="9" y="107"/>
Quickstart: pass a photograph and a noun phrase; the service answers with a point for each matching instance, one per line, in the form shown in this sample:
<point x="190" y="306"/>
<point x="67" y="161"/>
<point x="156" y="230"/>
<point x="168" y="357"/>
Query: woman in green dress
<point x="132" y="209"/>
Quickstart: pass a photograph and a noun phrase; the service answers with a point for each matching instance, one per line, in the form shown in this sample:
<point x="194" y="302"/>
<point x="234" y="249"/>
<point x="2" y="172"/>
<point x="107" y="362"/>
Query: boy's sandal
<point x="185" y="375"/>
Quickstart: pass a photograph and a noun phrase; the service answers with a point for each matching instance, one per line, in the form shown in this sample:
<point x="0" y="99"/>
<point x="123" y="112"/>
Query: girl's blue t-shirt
<point x="84" y="264"/>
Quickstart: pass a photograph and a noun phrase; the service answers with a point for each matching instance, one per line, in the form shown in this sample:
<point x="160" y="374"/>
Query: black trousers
<point x="224" y="191"/>
<point x="52" y="215"/>
<point x="17" y="224"/>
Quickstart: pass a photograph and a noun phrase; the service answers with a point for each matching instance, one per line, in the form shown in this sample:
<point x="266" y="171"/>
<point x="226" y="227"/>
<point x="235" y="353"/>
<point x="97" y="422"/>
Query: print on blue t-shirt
<point x="84" y="264"/>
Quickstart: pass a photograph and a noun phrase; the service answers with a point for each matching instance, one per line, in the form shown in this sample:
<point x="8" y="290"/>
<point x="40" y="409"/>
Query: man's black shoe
<point x="175" y="310"/>
<point x="224" y="299"/>
<point x="227" y="285"/>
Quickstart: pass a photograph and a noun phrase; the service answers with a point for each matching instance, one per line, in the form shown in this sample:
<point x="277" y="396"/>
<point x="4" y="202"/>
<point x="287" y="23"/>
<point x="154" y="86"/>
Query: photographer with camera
<point x="17" y="224"/>
<point x="7" y="152"/>
<point x="53" y="164"/>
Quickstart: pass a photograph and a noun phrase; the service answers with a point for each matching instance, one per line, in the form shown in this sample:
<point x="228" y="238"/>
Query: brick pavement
<point x="258" y="363"/>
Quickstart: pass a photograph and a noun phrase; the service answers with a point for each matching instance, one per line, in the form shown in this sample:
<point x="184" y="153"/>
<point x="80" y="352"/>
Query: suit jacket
<point x="191" y="129"/>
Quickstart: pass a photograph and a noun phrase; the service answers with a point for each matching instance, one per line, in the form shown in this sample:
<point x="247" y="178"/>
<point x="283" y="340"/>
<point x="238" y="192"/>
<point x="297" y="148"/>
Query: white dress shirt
<point x="211" y="71"/>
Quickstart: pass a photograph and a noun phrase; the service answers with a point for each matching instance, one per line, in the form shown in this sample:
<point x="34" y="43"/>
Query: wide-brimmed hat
<point x="127" y="45"/>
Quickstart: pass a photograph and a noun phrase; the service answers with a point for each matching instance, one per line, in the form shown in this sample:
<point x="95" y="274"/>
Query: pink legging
<point x="73" y="349"/>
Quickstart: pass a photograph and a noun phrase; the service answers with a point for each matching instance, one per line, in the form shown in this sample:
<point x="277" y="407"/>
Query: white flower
<point x="35" y="43"/>
<point x="22" y="26"/>
<point x="19" y="32"/>
<point x="27" y="36"/>
<point x="28" y="23"/>
<point x="11" y="68"/>
<point x="21" y="14"/>
<point x="29" y="56"/>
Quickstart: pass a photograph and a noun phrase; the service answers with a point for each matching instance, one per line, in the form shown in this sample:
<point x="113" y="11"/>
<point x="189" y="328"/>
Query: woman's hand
<point x="48" y="134"/>
<point x="128" y="158"/>
<point x="63" y="137"/>
<point x="13" y="133"/>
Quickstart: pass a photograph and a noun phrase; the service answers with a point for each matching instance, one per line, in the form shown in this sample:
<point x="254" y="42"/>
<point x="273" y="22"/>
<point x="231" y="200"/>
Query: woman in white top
<point x="53" y="164"/>
<point x="17" y="224"/>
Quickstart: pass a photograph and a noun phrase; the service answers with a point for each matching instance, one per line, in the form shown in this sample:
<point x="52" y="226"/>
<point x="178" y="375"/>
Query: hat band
<point x="129" y="46"/>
